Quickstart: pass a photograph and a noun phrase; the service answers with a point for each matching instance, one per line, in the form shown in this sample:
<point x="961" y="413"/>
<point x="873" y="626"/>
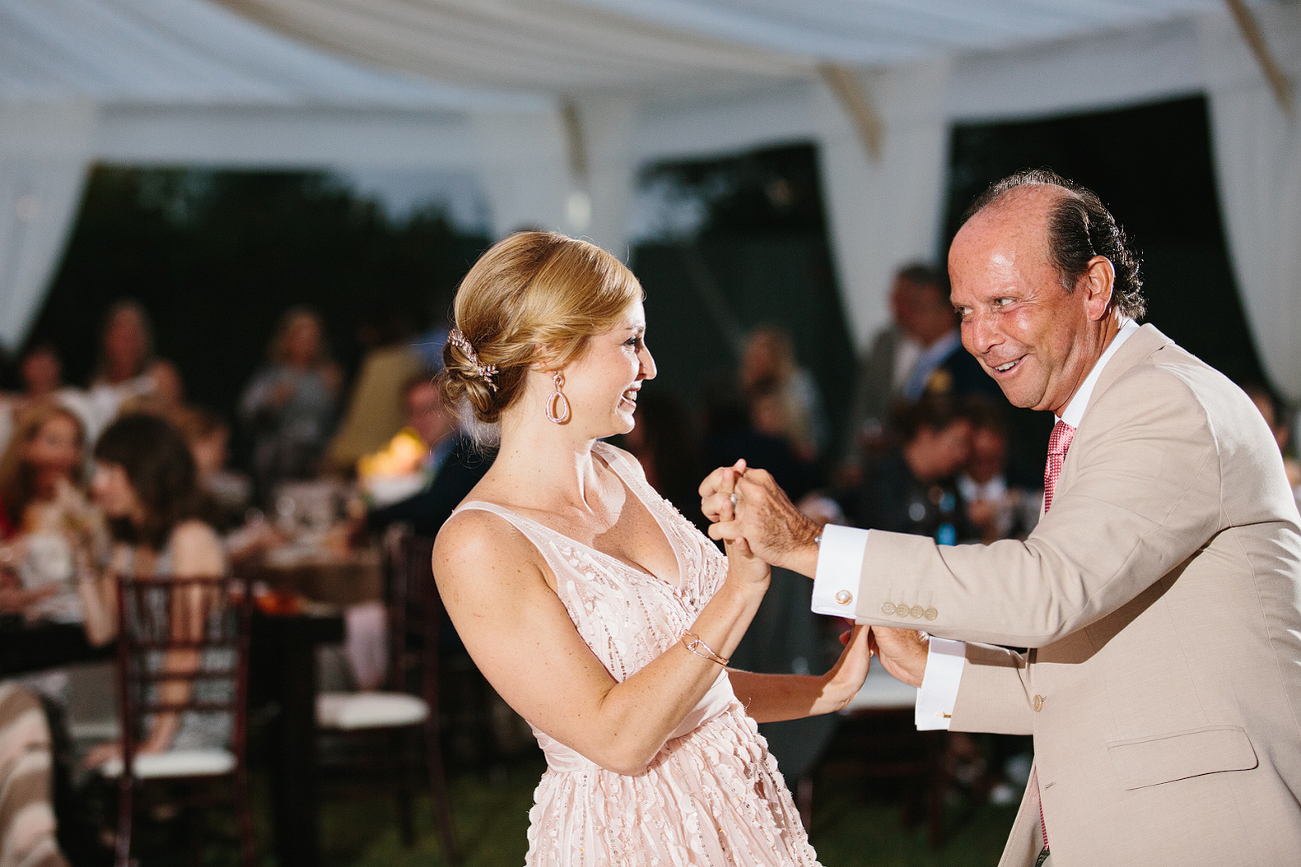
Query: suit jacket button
<point x="887" y="608"/>
<point x="930" y="614"/>
<point x="916" y="612"/>
<point x="1037" y="703"/>
<point x="901" y="609"/>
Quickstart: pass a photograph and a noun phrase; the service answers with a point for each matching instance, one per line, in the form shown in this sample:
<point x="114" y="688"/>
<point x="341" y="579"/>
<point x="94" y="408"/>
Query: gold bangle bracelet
<point x="697" y="646"/>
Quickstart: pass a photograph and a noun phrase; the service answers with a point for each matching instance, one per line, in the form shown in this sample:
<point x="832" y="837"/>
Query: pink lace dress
<point x="713" y="795"/>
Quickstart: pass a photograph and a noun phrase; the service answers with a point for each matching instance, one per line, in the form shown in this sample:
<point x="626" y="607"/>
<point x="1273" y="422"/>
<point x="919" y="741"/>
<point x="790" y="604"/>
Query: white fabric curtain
<point x="608" y="126"/>
<point x="884" y="212"/>
<point x="1258" y="167"/>
<point x="523" y="163"/>
<point x="44" y="155"/>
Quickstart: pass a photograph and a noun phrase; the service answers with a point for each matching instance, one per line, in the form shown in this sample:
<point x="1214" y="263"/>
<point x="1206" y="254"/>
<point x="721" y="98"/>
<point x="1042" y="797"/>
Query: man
<point x="886" y="366"/>
<point x="918" y="354"/>
<point x="913" y="488"/>
<point x="454" y="464"/>
<point x="1001" y="499"/>
<point x="1158" y="596"/>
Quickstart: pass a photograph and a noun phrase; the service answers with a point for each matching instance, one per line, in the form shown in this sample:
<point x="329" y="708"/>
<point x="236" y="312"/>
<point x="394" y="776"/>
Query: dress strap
<point x="535" y="531"/>
<point x="543" y="537"/>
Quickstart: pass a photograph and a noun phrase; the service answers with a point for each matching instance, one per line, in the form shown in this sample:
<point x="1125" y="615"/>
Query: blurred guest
<point x="449" y="463"/>
<point x="667" y="446"/>
<point x="885" y="369"/>
<point x="374" y="411"/>
<point x="768" y="362"/>
<point x="913" y="489"/>
<point x="942" y="367"/>
<point x="54" y="535"/>
<point x="145" y="482"/>
<point x="41" y="371"/>
<point x="729" y="433"/>
<point x="208" y="437"/>
<point x="127" y="367"/>
<point x="1001" y="503"/>
<point x="1276" y="415"/>
<point x="290" y="405"/>
<point x="924" y="357"/>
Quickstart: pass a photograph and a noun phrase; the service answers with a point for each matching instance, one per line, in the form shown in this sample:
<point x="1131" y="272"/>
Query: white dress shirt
<point x="840" y="566"/>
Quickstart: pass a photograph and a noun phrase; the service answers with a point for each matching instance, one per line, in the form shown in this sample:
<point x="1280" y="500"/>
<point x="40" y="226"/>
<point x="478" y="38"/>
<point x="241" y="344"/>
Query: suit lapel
<point x="1135" y="350"/>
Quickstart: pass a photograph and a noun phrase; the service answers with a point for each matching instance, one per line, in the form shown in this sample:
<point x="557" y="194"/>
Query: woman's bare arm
<point x="494" y="584"/>
<point x="773" y="697"/>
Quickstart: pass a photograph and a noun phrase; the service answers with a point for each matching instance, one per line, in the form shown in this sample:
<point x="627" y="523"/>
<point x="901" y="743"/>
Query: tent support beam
<point x="1274" y="74"/>
<point x="576" y="145"/>
<point x="857" y="103"/>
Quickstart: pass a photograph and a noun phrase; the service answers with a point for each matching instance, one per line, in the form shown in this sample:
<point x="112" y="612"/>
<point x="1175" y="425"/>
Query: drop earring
<point x="557" y="403"/>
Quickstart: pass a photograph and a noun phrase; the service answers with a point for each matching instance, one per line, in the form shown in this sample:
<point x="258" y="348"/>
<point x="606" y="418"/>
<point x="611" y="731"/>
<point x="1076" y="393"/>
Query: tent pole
<point x="1278" y="81"/>
<point x="576" y="145"/>
<point x="857" y="103"/>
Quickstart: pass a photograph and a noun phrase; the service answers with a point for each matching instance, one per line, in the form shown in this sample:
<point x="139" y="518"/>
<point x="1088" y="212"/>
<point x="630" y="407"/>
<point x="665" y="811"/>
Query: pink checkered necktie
<point x="1058" y="443"/>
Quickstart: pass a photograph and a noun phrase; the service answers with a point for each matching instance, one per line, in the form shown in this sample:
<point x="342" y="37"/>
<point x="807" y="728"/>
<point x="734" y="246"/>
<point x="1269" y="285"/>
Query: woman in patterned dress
<point x="595" y="609"/>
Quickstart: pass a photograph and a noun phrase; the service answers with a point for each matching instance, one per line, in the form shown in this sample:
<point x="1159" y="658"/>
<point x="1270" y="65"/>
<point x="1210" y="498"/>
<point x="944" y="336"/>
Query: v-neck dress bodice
<point x="713" y="795"/>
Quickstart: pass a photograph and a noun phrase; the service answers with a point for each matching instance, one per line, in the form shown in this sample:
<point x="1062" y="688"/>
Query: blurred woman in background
<point x="145" y="482"/>
<point x="128" y="368"/>
<point x="290" y="405"/>
<point x="53" y="534"/>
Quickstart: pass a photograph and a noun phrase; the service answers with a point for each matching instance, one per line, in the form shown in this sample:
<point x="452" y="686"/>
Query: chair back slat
<point x="183" y="649"/>
<point x="414" y="609"/>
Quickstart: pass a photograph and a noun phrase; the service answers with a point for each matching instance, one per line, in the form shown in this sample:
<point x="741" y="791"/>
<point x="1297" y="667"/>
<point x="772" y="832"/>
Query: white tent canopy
<point x="556" y="103"/>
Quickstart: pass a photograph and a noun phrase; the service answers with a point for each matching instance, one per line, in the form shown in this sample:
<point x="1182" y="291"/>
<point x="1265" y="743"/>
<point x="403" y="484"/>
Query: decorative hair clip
<point x="484" y="371"/>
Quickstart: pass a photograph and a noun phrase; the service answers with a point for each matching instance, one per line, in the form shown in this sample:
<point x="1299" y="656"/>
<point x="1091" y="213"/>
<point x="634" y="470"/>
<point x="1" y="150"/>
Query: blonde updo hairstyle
<point x="534" y="296"/>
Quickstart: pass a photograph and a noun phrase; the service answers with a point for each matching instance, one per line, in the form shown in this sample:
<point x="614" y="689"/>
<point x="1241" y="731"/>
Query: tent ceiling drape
<point x="570" y="46"/>
<point x="555" y="103"/>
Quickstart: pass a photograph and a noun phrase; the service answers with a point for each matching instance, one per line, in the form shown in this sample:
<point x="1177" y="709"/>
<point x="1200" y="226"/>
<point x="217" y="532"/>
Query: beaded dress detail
<point x="712" y="796"/>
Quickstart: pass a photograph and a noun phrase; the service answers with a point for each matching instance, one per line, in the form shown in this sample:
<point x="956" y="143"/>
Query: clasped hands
<point x="750" y="512"/>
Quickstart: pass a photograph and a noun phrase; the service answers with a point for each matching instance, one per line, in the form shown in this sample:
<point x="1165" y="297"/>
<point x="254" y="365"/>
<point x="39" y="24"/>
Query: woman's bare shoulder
<point x="475" y="540"/>
<point x="196" y="548"/>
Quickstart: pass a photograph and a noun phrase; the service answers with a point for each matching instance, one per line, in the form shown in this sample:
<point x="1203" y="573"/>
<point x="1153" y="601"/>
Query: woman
<point x="290" y="405"/>
<point x="145" y="483"/>
<point x="596" y="610"/>
<point x="783" y="397"/>
<point x="127" y="368"/>
<point x="52" y="532"/>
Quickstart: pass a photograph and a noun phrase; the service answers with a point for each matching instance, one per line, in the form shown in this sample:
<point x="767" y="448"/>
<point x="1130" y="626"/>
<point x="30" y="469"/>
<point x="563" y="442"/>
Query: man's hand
<point x="763" y="517"/>
<point x="903" y="652"/>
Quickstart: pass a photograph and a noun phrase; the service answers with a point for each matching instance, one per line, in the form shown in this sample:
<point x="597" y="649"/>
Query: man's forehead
<point x="1015" y="228"/>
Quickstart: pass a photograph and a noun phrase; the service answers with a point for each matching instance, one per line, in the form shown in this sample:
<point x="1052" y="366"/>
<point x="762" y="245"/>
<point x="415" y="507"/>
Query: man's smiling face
<point x="1030" y="334"/>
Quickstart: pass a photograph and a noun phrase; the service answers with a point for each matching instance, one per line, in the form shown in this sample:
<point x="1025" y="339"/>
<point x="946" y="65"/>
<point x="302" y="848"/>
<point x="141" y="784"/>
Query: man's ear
<point x="1097" y="282"/>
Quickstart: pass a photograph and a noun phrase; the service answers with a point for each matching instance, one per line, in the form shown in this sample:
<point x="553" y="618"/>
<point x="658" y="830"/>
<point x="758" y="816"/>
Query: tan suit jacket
<point x="1161" y="602"/>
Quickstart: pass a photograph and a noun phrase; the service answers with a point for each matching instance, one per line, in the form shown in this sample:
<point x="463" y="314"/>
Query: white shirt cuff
<point x="939" y="690"/>
<point x="840" y="567"/>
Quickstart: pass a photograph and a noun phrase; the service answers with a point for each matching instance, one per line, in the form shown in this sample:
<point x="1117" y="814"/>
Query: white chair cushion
<point x="369" y="710"/>
<point x="175" y="763"/>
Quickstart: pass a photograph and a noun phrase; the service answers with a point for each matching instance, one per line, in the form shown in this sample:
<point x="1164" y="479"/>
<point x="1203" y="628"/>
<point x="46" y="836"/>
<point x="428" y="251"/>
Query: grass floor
<point x="850" y="828"/>
<point x="855" y="824"/>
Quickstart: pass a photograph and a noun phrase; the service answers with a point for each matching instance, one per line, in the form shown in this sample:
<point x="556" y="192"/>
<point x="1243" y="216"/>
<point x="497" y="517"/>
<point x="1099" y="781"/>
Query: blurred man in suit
<point x="1159" y="596"/>
<point x="453" y="464"/>
<point x="919" y="354"/>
